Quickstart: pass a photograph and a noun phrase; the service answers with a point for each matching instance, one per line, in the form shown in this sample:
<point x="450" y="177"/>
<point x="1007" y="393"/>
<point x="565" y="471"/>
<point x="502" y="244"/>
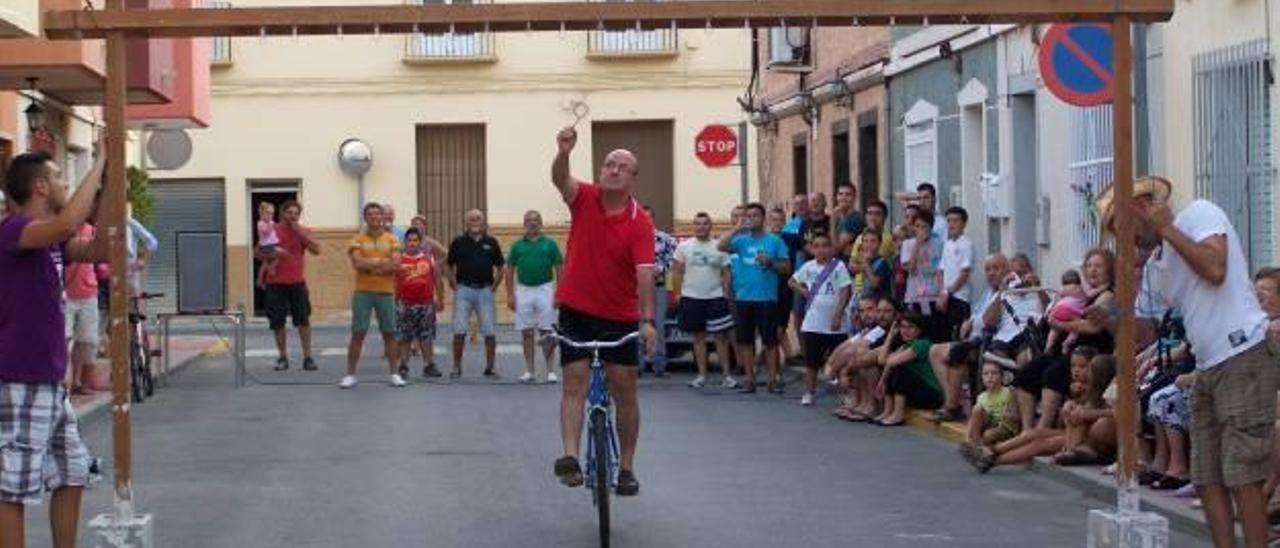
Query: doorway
<point x="1026" y="184"/>
<point x="840" y="169"/>
<point x="652" y="141"/>
<point x="276" y="193"/>
<point x="800" y="164"/>
<point x="868" y="159"/>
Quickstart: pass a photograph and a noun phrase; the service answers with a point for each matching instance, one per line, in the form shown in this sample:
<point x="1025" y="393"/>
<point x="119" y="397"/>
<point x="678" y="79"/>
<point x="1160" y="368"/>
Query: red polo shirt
<point x="602" y="255"/>
<point x="291" y="268"/>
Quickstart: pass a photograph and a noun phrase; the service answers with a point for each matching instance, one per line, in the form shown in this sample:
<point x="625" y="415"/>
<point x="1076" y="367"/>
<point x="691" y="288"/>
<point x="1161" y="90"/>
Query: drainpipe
<point x="1142" y="105"/>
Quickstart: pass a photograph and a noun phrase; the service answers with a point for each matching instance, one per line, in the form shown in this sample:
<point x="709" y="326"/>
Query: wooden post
<point x="115" y="198"/>
<point x="1126" y="381"/>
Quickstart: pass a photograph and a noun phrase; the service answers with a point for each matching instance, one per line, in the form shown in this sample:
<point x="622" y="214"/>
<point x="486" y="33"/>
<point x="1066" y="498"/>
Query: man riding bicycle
<point x="607" y="288"/>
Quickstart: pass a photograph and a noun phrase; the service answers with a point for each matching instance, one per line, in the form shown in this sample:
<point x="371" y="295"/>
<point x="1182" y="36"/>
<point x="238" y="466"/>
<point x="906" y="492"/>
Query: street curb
<point x="1181" y="518"/>
<point x="100" y="407"/>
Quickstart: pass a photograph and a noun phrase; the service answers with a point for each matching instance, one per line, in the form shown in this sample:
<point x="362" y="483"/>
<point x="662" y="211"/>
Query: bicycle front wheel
<point x="600" y="442"/>
<point x="135" y="365"/>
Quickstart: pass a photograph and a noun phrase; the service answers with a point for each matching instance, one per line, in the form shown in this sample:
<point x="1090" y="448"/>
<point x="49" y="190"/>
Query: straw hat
<point x="1158" y="188"/>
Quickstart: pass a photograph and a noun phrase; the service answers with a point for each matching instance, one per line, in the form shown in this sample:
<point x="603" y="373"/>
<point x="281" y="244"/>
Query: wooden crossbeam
<point x="587" y="15"/>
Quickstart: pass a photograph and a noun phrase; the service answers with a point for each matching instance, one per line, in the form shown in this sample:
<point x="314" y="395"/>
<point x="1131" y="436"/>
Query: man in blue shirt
<point x="799" y="212"/>
<point x="762" y="258"/>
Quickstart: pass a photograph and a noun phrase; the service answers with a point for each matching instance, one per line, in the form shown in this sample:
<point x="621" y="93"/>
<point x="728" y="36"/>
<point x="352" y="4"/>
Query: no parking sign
<point x="1075" y="62"/>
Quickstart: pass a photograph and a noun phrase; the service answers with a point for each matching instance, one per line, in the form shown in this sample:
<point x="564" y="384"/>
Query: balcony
<point x="433" y="48"/>
<point x="219" y="46"/>
<point x="74" y="71"/>
<point x="19" y="18"/>
<point x="190" y="100"/>
<point x="633" y="44"/>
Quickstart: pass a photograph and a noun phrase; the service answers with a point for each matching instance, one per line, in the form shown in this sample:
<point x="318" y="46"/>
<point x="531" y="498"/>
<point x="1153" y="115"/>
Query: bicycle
<point x="602" y="439"/>
<point x="142" y="382"/>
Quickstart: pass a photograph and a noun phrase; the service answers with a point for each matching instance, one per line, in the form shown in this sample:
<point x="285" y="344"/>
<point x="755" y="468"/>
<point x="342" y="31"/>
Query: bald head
<point x="618" y="174"/>
<point x="994" y="268"/>
<point x="474" y="220"/>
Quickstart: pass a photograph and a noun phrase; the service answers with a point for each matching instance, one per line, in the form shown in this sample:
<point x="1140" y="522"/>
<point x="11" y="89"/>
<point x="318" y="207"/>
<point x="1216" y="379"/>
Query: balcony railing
<point x="633" y="43"/>
<point x="219" y="46"/>
<point x="449" y="47"/>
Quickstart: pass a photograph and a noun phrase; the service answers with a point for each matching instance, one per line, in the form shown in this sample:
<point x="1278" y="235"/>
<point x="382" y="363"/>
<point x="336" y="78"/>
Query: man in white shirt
<point x="957" y="261"/>
<point x="703" y="307"/>
<point x="1199" y="267"/>
<point x="951" y="361"/>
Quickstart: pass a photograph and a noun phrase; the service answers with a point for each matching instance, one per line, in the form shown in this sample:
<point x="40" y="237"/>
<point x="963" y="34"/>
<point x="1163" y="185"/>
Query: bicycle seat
<point x="148" y="296"/>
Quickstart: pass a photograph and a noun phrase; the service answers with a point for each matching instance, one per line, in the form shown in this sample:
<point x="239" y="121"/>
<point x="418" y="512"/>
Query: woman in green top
<point x="908" y="378"/>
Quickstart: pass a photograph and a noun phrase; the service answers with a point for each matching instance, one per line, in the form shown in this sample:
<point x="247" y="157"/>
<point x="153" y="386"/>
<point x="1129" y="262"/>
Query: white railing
<point x="633" y="42"/>
<point x="428" y="46"/>
<point x="219" y="46"/>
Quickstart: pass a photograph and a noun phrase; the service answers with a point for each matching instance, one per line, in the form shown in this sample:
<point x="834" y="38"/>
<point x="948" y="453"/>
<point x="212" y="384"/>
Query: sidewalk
<point x="184" y="350"/>
<point x="1088" y="479"/>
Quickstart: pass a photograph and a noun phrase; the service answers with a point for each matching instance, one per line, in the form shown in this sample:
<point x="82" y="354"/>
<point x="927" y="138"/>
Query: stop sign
<point x="716" y="145"/>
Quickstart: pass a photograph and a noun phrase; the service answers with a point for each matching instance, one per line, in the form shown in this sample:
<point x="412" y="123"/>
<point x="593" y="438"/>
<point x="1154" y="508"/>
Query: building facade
<point x="454" y="122"/>
<point x="822" y="114"/>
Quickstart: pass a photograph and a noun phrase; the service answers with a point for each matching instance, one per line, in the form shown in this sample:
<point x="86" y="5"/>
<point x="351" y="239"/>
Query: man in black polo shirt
<point x="475" y="270"/>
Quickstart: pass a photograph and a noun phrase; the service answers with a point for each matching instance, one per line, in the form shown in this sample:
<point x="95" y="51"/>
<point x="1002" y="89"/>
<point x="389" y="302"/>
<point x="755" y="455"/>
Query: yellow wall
<point x="283" y="106"/>
<point x="1199" y="27"/>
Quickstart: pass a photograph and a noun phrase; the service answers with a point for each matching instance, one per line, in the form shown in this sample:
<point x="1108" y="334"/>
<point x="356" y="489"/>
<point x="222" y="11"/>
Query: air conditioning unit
<point x="789" y="46"/>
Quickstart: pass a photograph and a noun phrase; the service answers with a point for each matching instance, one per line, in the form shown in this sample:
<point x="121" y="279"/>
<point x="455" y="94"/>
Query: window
<point x="920" y="141"/>
<point x="1232" y="112"/>
<point x="1090" y="171"/>
<point x="450" y="45"/>
<point x="788" y="46"/>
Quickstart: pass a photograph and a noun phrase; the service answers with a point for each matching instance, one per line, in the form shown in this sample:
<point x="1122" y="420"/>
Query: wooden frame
<point x="116" y="24"/>
<point x="507" y="17"/>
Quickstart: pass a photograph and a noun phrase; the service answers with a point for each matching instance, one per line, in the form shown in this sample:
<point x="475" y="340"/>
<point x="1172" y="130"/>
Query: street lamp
<point x="34" y="112"/>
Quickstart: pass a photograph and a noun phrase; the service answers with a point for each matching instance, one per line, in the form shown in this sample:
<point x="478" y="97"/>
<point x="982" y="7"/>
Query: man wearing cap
<point x="1197" y="265"/>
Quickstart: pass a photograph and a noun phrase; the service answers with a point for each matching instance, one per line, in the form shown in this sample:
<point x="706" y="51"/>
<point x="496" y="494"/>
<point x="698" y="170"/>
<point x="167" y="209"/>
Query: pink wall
<point x="190" y="104"/>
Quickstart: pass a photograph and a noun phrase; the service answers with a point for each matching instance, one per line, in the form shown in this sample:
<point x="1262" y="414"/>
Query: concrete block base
<point x="1110" y="529"/>
<point x="106" y="531"/>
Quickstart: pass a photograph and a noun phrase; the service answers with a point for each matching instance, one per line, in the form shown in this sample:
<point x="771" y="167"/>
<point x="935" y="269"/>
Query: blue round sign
<point x="1076" y="63"/>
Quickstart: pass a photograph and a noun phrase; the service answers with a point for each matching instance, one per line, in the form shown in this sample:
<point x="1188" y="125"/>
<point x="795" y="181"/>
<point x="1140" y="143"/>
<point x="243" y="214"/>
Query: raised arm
<point x="560" y="176"/>
<point x="44" y="233"/>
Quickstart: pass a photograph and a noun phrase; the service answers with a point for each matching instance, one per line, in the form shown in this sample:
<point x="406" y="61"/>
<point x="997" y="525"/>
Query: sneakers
<point x="397" y="381"/>
<point x="282" y="364"/>
<point x="699" y="382"/>
<point x="404" y="370"/>
<point x="568" y="471"/>
<point x="489" y="373"/>
<point x="309" y="364"/>
<point x="348" y="381"/>
<point x="527" y="377"/>
<point x="430" y="371"/>
<point x="627" y="484"/>
<point x="730" y="383"/>
<point x="552" y="378"/>
<point x="807" y="399"/>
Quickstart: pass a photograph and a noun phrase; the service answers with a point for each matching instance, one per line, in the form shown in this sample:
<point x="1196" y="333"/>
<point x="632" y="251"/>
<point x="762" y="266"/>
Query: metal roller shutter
<point x="180" y="206"/>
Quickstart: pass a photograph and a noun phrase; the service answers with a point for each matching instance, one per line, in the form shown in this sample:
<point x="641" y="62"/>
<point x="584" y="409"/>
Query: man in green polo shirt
<point x="534" y="261"/>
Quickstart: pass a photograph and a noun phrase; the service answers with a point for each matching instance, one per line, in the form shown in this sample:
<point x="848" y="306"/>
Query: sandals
<point x="948" y="415"/>
<point x="1169" y="483"/>
<point x="1075" y="458"/>
<point x="568" y="471"/>
<point x="887" y="424"/>
<point x="1146" y="477"/>
<point x="977" y="457"/>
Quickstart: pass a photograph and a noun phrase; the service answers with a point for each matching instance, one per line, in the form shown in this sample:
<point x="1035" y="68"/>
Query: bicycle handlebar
<point x="148" y="296"/>
<point x="592" y="345"/>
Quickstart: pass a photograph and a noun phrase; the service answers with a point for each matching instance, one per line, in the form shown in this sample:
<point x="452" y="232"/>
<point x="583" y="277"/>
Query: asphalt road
<point x="291" y="460"/>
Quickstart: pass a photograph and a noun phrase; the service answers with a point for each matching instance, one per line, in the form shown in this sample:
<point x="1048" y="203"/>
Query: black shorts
<point x="287" y="300"/>
<point x="704" y="315"/>
<point x="918" y="393"/>
<point x="756" y="317"/>
<point x="1052" y="372"/>
<point x="957" y="312"/>
<point x="818" y="346"/>
<point x="583" y="327"/>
